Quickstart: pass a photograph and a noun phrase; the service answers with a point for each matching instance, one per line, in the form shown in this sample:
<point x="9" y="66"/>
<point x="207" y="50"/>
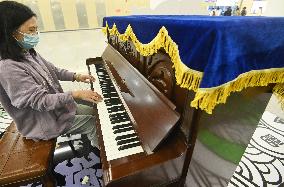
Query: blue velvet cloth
<point x="222" y="47"/>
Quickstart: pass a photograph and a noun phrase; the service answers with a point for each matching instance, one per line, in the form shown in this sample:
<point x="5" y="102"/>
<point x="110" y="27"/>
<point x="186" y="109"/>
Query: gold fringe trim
<point x="185" y="77"/>
<point x="207" y="98"/>
<point x="278" y="90"/>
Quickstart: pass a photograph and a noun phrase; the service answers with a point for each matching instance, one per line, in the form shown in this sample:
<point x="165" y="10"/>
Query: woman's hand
<point x="84" y="78"/>
<point x="87" y="95"/>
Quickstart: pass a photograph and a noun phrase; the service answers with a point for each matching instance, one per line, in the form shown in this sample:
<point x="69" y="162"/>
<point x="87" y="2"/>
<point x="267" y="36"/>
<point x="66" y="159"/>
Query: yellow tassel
<point x="205" y="98"/>
<point x="162" y="40"/>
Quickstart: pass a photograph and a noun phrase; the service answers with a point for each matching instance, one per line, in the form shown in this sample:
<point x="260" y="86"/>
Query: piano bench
<point x="24" y="161"/>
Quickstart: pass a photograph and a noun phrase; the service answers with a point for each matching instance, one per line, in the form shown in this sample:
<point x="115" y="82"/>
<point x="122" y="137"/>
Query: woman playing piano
<point x="29" y="85"/>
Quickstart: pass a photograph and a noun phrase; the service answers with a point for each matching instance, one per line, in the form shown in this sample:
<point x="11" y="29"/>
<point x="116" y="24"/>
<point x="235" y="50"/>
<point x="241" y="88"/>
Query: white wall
<point x="274" y="8"/>
<point x="174" y="7"/>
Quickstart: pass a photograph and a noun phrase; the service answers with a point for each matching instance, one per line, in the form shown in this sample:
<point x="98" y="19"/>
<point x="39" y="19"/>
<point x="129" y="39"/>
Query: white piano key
<point x="110" y="143"/>
<point x="125" y="153"/>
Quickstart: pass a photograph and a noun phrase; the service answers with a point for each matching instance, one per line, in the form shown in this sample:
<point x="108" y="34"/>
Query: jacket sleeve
<point x="62" y="74"/>
<point x="24" y="92"/>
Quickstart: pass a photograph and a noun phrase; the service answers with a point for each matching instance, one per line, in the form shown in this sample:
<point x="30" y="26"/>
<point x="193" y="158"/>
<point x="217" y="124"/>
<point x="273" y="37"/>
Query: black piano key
<point x="109" y="95"/>
<point x="122" y="137"/>
<point x="103" y="75"/>
<point x="112" y="101"/>
<point x="127" y="141"/>
<point x="108" y="98"/>
<point x="115" y="121"/>
<point x="104" y="84"/>
<point x="105" y="80"/>
<point x="107" y="87"/>
<point x="108" y="90"/>
<point x="123" y="130"/>
<point x="123" y="118"/>
<point x="129" y="146"/>
<point x="119" y="115"/>
<point x="116" y="109"/>
<point x="119" y="118"/>
<point x="121" y="126"/>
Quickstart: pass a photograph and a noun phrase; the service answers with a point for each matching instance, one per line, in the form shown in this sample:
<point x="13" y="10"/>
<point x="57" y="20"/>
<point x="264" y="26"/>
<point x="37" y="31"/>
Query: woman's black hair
<point x="12" y="16"/>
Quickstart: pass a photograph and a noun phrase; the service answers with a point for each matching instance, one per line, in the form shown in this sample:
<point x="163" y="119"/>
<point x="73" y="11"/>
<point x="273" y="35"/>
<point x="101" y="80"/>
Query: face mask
<point x="29" y="41"/>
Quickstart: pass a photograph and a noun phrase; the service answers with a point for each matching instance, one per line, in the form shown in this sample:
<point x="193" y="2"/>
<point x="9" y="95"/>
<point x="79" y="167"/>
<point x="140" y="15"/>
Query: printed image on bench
<point x="83" y="169"/>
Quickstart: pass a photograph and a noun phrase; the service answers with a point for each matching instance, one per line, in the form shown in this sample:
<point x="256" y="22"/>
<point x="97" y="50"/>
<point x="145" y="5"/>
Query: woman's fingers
<point x="96" y="96"/>
<point x="92" y="78"/>
<point x="90" y="100"/>
<point x="87" y="78"/>
<point x="87" y="95"/>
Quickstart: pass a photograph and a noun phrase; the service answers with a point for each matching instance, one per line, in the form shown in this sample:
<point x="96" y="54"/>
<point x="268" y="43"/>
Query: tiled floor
<point x="70" y="49"/>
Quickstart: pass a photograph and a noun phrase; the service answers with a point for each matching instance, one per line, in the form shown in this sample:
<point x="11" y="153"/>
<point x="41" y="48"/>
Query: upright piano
<point x="146" y="127"/>
<point x="139" y="131"/>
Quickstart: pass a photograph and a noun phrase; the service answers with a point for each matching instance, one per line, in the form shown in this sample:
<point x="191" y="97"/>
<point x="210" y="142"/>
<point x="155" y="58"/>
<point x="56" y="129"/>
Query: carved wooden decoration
<point x="161" y="74"/>
<point x="157" y="68"/>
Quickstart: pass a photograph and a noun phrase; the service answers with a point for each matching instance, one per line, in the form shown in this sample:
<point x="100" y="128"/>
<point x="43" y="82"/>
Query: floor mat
<point x="263" y="161"/>
<point x="82" y="168"/>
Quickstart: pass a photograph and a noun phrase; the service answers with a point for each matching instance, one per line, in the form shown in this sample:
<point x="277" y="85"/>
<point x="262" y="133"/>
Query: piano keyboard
<point x="119" y="137"/>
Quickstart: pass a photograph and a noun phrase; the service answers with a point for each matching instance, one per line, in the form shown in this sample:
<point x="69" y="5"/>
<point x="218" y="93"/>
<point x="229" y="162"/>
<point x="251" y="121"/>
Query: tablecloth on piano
<point x="213" y="56"/>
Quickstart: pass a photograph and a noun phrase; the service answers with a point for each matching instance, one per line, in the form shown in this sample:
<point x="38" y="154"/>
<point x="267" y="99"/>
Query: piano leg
<point x="190" y="147"/>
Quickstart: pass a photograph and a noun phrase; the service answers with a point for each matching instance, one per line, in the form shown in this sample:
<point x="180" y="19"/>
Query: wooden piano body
<point x="168" y="164"/>
<point x="170" y="160"/>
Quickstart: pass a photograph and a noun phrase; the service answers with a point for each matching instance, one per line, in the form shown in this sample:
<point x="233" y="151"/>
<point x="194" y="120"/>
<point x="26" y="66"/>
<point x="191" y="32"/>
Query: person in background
<point x="212" y="12"/>
<point x="222" y="12"/>
<point x="218" y="11"/>
<point x="30" y="91"/>
<point x="259" y="13"/>
<point x="244" y="11"/>
<point x="236" y="11"/>
<point x="228" y="12"/>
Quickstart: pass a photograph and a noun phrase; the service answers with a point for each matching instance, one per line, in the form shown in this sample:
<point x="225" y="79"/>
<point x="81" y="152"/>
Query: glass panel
<point x="57" y="15"/>
<point x="82" y="14"/>
<point x="101" y="11"/>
